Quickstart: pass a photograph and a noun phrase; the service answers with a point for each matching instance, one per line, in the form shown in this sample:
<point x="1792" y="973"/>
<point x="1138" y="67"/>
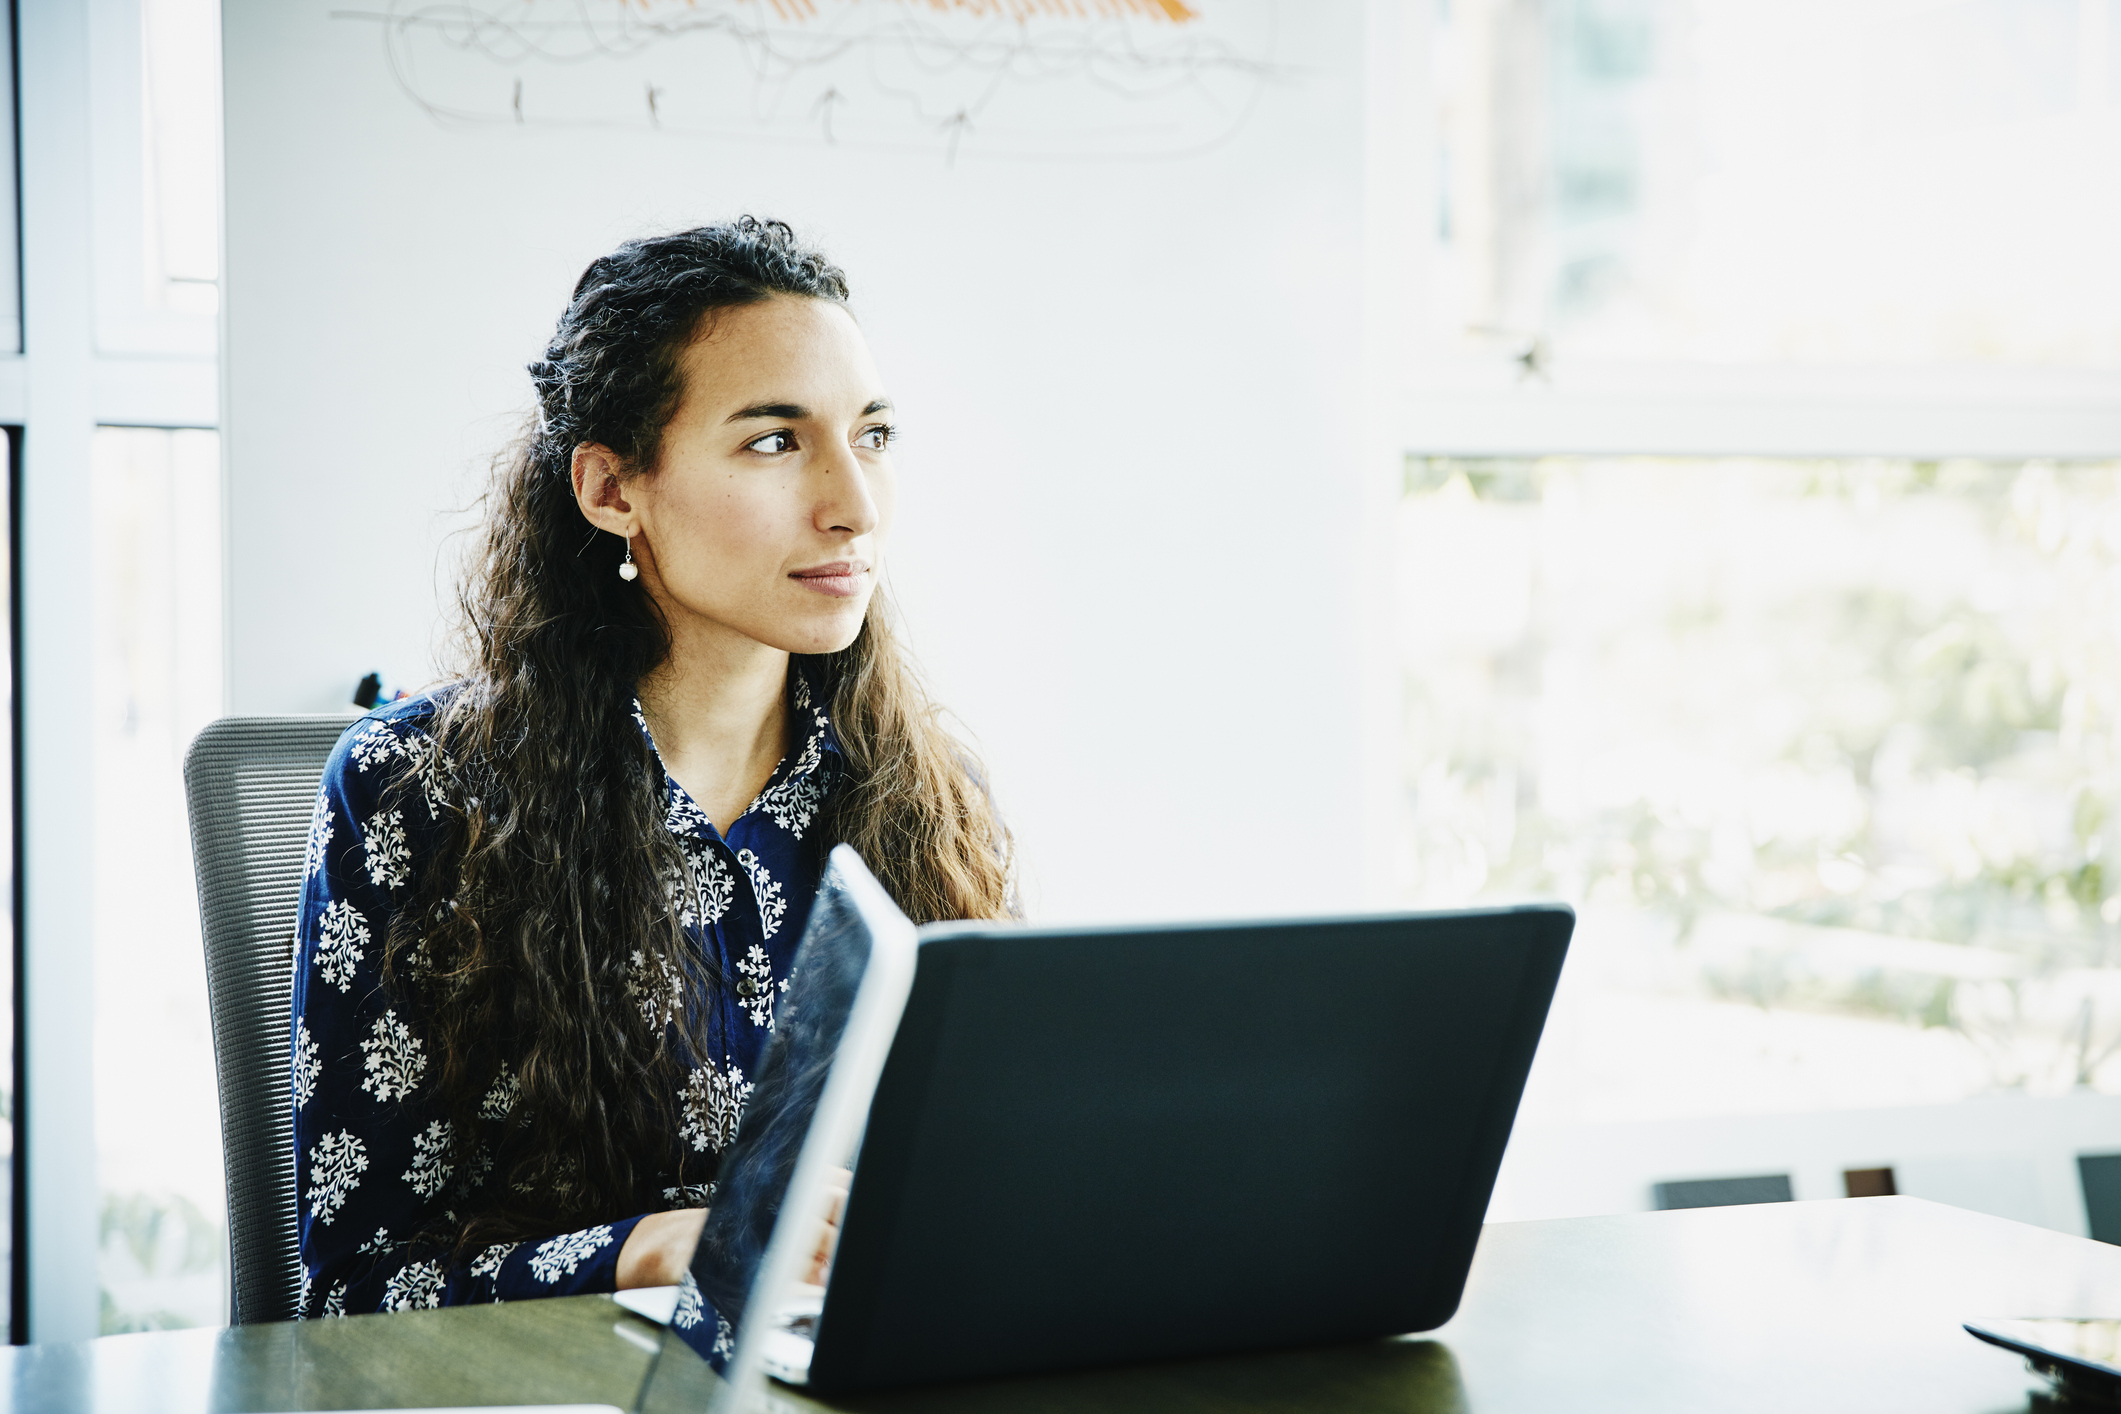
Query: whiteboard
<point x="1112" y="269"/>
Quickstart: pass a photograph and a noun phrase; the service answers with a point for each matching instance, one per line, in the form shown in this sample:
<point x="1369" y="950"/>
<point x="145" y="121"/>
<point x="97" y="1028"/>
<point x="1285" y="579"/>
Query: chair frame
<point x="251" y="784"/>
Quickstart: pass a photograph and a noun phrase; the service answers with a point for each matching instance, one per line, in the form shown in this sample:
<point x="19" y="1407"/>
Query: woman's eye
<point x="875" y="439"/>
<point x="772" y="442"/>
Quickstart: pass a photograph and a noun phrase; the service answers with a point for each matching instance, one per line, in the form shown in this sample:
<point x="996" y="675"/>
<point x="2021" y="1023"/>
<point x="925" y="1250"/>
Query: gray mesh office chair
<point x="252" y="782"/>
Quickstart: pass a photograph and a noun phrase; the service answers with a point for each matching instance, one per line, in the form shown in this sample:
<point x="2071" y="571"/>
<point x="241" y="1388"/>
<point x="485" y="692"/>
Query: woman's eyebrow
<point x="786" y="412"/>
<point x="794" y="412"/>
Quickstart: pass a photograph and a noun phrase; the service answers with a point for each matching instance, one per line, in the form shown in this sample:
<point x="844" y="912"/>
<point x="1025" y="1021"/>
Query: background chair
<point x="252" y="783"/>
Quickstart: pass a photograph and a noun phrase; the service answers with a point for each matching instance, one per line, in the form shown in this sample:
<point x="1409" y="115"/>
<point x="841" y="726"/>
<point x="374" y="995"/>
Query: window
<point x="155" y="539"/>
<point x="10" y="226"/>
<point x="1828" y="753"/>
<point x="156" y="549"/>
<point x="1821" y="182"/>
<point x="156" y="177"/>
<point x="1808" y="714"/>
<point x="180" y="145"/>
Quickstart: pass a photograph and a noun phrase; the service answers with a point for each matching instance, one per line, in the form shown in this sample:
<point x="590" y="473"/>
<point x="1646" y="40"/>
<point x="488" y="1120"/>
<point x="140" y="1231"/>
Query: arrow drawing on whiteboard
<point x="823" y="108"/>
<point x="1038" y="79"/>
<point x="956" y="125"/>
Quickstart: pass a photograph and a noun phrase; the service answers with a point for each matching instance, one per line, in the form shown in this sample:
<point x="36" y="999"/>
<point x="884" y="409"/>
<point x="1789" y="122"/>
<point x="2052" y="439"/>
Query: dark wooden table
<point x="1852" y="1305"/>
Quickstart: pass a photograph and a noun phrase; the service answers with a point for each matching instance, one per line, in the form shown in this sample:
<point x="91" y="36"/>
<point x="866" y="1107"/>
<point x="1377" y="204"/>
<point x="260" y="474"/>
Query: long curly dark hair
<point x="548" y="897"/>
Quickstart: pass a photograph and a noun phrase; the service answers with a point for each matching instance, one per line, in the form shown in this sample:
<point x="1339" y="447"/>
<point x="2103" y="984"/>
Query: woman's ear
<point x="599" y="491"/>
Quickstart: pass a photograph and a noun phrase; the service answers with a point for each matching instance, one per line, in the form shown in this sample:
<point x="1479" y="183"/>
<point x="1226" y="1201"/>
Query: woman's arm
<point x="659" y="1250"/>
<point x="371" y="1165"/>
<point x="375" y="1165"/>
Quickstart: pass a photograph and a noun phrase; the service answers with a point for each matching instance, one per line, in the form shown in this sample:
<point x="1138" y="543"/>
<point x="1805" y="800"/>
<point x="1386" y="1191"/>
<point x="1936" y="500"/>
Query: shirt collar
<point x="811" y="700"/>
<point x="818" y="744"/>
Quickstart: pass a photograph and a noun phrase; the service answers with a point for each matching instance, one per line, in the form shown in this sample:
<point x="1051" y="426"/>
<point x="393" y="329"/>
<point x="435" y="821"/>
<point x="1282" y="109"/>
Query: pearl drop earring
<point x="628" y="571"/>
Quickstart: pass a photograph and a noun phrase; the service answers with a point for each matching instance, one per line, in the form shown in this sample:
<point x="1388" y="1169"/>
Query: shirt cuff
<point x="573" y="1264"/>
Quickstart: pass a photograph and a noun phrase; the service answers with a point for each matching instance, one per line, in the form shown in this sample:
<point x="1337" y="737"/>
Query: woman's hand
<point x="659" y="1249"/>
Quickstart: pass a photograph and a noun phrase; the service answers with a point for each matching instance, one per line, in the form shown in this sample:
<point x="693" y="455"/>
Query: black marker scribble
<point x="876" y="75"/>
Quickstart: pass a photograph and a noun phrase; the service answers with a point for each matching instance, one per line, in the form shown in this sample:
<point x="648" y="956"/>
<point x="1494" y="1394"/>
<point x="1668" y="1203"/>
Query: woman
<point x="549" y="907"/>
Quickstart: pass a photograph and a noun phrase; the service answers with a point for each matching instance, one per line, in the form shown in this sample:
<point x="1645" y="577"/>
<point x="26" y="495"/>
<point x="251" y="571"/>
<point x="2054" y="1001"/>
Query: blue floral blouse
<point x="372" y="1151"/>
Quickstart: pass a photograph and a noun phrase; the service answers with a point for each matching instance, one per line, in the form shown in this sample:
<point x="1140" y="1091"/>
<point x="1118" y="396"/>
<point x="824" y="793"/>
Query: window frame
<point x="94" y="363"/>
<point x="127" y="325"/>
<point x="1518" y="402"/>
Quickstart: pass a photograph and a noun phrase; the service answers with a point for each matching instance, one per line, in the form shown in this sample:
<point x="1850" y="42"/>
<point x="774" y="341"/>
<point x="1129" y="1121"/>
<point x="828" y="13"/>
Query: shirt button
<point x="745" y="987"/>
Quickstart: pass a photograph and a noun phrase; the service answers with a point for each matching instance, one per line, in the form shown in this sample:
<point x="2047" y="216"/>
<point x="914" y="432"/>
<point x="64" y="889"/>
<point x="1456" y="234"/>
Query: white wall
<point x="1137" y="446"/>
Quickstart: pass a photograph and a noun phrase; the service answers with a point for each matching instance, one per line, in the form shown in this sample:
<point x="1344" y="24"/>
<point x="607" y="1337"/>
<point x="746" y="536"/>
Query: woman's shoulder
<point x="392" y="738"/>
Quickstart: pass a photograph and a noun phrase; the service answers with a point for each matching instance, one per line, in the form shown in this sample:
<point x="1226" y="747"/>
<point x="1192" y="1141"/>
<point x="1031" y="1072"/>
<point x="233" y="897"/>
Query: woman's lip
<point x="841" y="579"/>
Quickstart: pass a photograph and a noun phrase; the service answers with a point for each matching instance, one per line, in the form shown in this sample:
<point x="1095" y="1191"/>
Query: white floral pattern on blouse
<point x="375" y="1157"/>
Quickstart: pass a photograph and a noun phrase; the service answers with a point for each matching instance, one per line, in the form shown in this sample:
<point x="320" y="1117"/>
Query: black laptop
<point x="1089" y="1146"/>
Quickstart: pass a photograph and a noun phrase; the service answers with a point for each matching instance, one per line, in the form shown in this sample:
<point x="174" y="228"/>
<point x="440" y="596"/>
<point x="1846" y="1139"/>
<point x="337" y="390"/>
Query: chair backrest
<point x="252" y="783"/>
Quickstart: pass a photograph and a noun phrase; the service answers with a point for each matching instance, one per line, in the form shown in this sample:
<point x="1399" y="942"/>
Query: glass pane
<point x="1814" y="181"/>
<point x="181" y="149"/>
<point x="10" y="266"/>
<point x="155" y="543"/>
<point x="1828" y="754"/>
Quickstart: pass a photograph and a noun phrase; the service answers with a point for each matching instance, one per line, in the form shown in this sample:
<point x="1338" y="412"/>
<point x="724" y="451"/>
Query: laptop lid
<point x="1104" y="1145"/>
<point x="800" y="1129"/>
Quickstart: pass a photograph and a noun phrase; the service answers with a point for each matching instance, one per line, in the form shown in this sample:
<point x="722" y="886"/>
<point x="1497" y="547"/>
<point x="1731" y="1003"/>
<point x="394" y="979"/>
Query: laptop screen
<point x="795" y="1142"/>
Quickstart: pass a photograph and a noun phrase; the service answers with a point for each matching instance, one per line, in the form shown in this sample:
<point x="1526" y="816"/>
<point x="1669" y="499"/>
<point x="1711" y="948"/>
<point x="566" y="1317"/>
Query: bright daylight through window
<point x="181" y="141"/>
<point x="1816" y="181"/>
<point x="1829" y="753"/>
<point x="156" y="508"/>
<point x="155" y="543"/>
<point x="1826" y="749"/>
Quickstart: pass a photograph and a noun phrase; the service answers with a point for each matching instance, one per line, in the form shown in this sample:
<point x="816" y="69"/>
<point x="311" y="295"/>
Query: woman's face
<point x="766" y="513"/>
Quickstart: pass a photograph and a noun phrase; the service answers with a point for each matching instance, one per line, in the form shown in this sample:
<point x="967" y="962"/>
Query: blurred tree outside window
<point x="1828" y="754"/>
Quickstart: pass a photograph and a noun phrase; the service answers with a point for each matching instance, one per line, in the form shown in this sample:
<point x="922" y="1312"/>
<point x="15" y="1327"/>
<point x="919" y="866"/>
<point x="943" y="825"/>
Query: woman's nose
<point x="844" y="503"/>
